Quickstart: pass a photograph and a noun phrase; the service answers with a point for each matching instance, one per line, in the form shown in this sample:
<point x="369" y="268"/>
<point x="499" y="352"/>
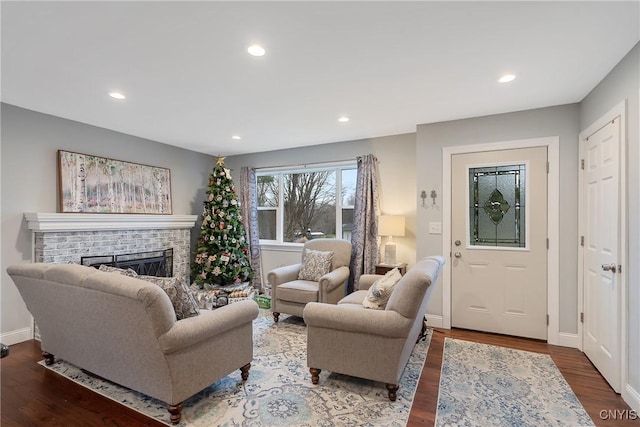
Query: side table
<point x="384" y="268"/>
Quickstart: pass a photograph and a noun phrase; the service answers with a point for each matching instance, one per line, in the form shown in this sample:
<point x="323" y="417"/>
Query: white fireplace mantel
<point x="50" y="222"/>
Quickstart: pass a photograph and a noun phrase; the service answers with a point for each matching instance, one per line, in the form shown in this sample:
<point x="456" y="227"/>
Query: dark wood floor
<point x="34" y="396"/>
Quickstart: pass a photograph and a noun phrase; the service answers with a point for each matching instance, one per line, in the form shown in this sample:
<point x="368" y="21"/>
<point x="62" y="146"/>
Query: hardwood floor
<point x="33" y="396"/>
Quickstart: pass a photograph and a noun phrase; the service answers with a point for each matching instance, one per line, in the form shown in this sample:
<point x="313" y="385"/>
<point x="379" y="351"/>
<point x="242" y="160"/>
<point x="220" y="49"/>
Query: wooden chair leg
<point x="176" y="413"/>
<point x="244" y="371"/>
<point x="393" y="388"/>
<point x="276" y="316"/>
<point x="315" y="375"/>
<point x="48" y="358"/>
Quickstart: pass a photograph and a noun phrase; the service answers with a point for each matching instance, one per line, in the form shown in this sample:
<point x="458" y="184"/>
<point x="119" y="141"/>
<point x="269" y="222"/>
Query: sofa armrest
<point x="332" y="280"/>
<point x="285" y="274"/>
<point x="384" y="323"/>
<point x="367" y="280"/>
<point x="192" y="330"/>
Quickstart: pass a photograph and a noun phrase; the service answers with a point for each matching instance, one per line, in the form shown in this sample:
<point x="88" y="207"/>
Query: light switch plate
<point x="435" y="228"/>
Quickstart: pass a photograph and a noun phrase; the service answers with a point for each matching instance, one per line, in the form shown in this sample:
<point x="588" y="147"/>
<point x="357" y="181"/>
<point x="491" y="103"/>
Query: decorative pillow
<point x="184" y="304"/>
<point x="381" y="289"/>
<point x="125" y="272"/>
<point x="315" y="265"/>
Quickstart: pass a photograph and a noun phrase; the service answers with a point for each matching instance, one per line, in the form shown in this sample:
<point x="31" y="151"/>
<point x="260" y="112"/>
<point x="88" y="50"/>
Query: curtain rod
<point x="307" y="166"/>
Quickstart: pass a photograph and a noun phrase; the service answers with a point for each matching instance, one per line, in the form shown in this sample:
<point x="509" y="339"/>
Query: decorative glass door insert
<point x="497" y="196"/>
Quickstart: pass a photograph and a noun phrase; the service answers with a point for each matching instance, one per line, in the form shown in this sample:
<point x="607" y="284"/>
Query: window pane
<point x="268" y="191"/>
<point x="349" y="187"/>
<point x="347" y="223"/>
<point x="496" y="199"/>
<point x="267" y="224"/>
<point x="309" y="205"/>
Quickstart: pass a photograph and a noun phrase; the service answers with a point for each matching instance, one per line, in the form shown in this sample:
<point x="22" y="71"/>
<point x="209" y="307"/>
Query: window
<point x="296" y="205"/>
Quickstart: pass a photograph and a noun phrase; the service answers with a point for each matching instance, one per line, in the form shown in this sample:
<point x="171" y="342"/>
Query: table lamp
<point x="390" y="225"/>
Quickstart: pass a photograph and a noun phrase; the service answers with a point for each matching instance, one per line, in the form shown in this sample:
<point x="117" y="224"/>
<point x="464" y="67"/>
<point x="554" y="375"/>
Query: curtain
<point x="249" y="209"/>
<point x="364" y="238"/>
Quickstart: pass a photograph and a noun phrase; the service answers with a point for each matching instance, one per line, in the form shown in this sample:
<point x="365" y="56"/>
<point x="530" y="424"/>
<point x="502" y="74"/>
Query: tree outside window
<point x="297" y="206"/>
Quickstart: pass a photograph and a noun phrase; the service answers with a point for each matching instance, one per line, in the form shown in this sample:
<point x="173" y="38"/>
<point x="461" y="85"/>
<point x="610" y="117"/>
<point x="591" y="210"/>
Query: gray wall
<point x="396" y="167"/>
<point x="30" y="141"/>
<point x="623" y="83"/>
<point x="561" y="121"/>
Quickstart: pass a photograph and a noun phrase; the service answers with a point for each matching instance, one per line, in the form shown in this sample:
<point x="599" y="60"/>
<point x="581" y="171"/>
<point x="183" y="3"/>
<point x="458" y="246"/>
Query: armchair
<point x="289" y="294"/>
<point x="373" y="344"/>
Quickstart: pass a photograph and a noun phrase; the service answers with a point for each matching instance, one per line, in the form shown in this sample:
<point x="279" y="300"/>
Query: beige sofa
<point x="125" y="330"/>
<point x="366" y="343"/>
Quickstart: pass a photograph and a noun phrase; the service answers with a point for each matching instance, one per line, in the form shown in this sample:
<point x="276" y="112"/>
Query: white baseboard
<point x="17" y="336"/>
<point x="434" y="321"/>
<point x="632" y="397"/>
<point x="566" y="339"/>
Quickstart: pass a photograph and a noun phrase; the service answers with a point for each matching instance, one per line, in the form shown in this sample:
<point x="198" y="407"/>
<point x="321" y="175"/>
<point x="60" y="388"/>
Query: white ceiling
<point x="389" y="66"/>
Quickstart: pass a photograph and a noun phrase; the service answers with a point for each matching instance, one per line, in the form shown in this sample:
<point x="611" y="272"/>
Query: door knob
<point x="458" y="242"/>
<point x="610" y="267"/>
<point x="459" y="255"/>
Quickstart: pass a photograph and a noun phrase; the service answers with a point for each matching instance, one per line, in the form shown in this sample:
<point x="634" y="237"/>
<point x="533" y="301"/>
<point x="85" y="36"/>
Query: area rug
<point x="485" y="385"/>
<point x="279" y="390"/>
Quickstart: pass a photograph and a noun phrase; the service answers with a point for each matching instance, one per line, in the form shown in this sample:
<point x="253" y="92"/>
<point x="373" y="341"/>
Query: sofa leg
<point x="48" y="358"/>
<point x="315" y="375"/>
<point x="176" y="413"/>
<point x="244" y="371"/>
<point x="276" y="315"/>
<point x="393" y="388"/>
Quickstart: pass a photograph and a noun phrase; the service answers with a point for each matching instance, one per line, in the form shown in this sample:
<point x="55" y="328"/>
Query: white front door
<point x="499" y="241"/>
<point x="601" y="272"/>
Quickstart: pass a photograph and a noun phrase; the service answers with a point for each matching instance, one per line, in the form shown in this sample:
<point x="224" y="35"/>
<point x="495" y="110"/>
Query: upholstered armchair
<point x="320" y="277"/>
<point x="375" y="344"/>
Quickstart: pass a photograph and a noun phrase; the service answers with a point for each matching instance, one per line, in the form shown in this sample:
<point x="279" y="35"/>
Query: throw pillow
<point x="380" y="291"/>
<point x="184" y="304"/>
<point x="125" y="272"/>
<point x="315" y="265"/>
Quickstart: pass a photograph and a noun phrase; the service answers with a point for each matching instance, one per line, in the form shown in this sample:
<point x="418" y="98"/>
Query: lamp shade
<point x="391" y="225"/>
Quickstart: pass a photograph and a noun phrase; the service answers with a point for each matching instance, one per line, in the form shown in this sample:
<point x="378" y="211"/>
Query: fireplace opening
<point x="152" y="263"/>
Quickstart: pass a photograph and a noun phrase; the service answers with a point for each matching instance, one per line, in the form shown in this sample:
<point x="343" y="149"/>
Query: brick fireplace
<point x="62" y="238"/>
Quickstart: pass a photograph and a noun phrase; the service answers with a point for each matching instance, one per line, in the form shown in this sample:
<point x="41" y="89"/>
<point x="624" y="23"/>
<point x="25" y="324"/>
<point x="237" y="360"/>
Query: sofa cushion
<point x="184" y="304"/>
<point x="298" y="291"/>
<point x="315" y="265"/>
<point x="125" y="272"/>
<point x="379" y="293"/>
<point x="355" y="298"/>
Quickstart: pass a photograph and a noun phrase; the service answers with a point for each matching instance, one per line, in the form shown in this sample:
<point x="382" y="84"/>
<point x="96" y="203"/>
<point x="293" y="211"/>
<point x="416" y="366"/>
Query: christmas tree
<point x="221" y="256"/>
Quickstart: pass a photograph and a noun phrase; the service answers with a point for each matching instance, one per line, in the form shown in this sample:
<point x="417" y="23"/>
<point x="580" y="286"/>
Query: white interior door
<point x="601" y="273"/>
<point x="499" y="241"/>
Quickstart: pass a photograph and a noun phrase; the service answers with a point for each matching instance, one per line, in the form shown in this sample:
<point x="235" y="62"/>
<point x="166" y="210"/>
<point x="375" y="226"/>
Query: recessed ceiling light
<point x="507" y="78"/>
<point x="235" y="137"/>
<point x="117" y="95"/>
<point x="256" y="50"/>
<point x="343" y="119"/>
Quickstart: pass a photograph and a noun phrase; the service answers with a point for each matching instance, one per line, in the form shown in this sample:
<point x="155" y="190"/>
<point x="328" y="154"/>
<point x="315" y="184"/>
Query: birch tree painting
<point x="96" y="184"/>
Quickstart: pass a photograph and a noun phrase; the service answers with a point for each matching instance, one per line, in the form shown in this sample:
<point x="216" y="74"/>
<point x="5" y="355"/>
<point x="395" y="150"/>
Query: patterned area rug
<point x="484" y="385"/>
<point x="279" y="390"/>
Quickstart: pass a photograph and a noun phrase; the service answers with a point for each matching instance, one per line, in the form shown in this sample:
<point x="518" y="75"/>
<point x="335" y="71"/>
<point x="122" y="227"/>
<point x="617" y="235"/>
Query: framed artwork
<point x="92" y="184"/>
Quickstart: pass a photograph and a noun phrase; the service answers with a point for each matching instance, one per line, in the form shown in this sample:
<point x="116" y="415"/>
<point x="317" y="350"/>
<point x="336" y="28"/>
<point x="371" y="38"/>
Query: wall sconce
<point x="423" y="196"/>
<point x="433" y="195"/>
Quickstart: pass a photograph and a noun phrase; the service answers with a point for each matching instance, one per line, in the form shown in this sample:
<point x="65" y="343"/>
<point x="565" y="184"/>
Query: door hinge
<point x="547" y="167"/>
<point x="547" y="243"/>
<point x="581" y="317"/>
<point x="581" y="240"/>
<point x="547" y="320"/>
<point x="582" y="164"/>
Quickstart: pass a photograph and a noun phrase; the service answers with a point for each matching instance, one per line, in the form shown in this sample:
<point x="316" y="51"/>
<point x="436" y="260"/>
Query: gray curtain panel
<point x="364" y="239"/>
<point x="249" y="208"/>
